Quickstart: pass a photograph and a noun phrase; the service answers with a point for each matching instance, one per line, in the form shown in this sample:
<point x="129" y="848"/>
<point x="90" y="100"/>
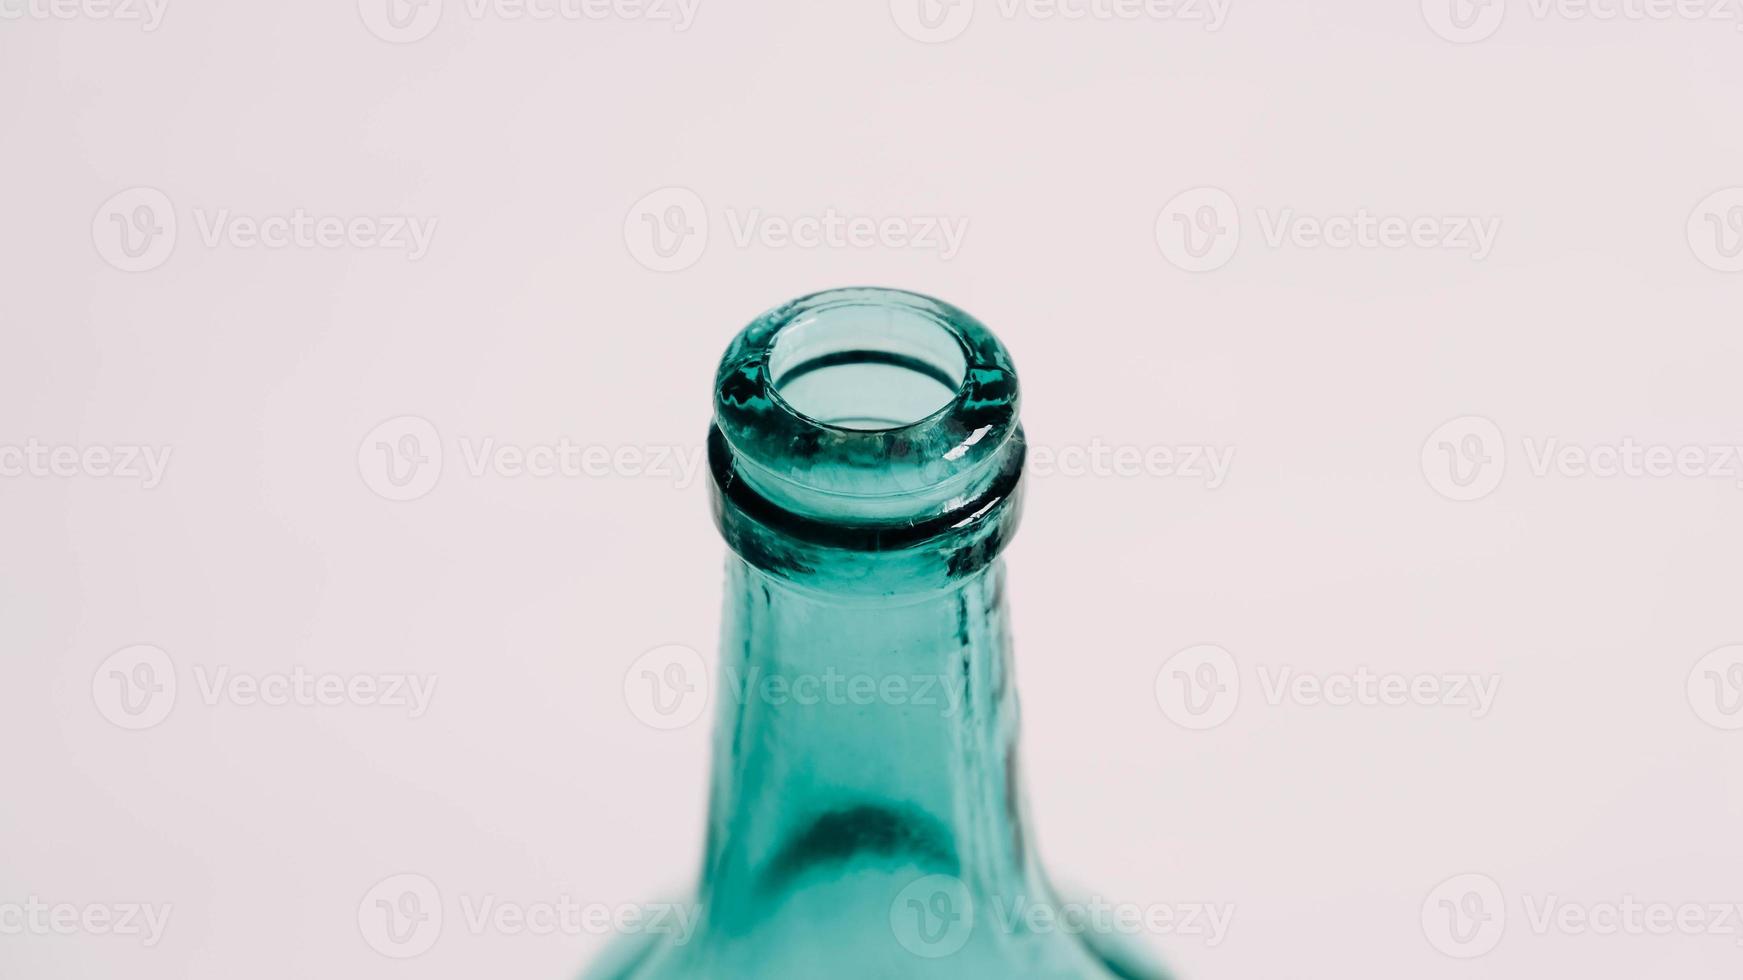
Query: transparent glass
<point x="866" y="816"/>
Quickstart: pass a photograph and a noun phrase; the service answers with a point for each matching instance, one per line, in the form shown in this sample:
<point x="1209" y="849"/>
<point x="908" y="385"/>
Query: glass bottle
<point x="866" y="818"/>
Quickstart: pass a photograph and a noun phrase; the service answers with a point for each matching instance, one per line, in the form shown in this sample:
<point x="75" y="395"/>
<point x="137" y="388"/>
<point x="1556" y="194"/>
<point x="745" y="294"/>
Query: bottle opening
<point x="867" y="367"/>
<point x="866" y="420"/>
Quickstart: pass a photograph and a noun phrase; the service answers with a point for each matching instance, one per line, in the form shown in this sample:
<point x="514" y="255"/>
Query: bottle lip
<point x="908" y="472"/>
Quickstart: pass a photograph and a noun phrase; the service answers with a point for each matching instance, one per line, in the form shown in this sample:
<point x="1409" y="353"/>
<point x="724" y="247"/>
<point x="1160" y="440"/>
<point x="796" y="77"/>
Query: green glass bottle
<point x="866" y="818"/>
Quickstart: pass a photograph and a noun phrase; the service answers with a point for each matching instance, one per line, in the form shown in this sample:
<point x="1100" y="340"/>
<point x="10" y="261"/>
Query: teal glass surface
<point x="866" y="815"/>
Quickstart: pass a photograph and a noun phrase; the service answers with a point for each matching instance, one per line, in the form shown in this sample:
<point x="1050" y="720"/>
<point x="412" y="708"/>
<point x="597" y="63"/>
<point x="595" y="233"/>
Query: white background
<point x="1604" y="311"/>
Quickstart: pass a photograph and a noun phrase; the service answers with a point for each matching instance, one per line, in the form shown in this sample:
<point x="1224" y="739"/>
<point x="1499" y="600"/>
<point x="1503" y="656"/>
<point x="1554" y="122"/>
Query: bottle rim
<point x="800" y="495"/>
<point x="869" y="472"/>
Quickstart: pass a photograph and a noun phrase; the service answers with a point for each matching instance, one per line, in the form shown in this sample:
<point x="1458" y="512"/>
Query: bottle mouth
<point x="866" y="366"/>
<point x="866" y="408"/>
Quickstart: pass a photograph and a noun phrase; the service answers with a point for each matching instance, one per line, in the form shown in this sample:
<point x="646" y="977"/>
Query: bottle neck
<point x="862" y="734"/>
